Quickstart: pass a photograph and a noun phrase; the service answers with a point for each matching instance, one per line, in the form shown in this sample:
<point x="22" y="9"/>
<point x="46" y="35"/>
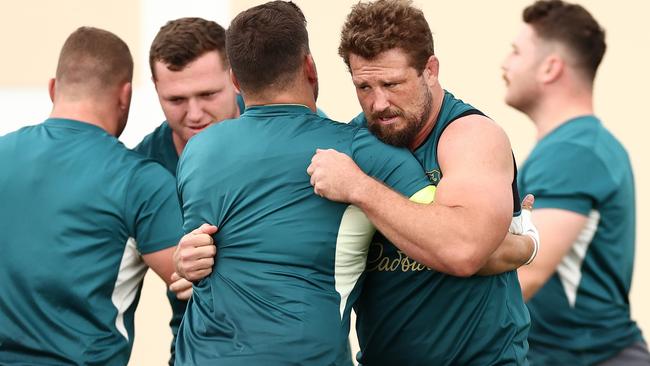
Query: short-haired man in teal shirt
<point x="577" y="290"/>
<point x="82" y="217"/>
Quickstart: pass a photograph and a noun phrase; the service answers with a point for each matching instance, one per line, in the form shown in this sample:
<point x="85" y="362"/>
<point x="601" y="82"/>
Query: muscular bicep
<point x="476" y="161"/>
<point x="558" y="230"/>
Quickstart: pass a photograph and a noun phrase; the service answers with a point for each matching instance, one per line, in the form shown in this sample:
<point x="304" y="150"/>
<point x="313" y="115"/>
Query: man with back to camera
<point x="408" y="314"/>
<point x="191" y="74"/>
<point x="92" y="214"/>
<point x="577" y="289"/>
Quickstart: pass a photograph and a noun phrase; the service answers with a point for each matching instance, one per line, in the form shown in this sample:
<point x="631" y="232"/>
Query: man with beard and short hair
<point x="410" y="314"/>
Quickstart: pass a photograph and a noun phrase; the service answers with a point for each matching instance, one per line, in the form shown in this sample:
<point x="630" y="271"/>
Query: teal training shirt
<point x="78" y="209"/>
<point x="408" y="314"/>
<point x="159" y="146"/>
<point x="288" y="262"/>
<point x="581" y="316"/>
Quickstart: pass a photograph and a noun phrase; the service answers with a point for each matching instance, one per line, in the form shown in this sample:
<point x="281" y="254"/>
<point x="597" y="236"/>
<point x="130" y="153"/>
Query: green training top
<point x="408" y="314"/>
<point x="159" y="145"/>
<point x="581" y="316"/>
<point x="288" y="261"/>
<point x="78" y="209"/>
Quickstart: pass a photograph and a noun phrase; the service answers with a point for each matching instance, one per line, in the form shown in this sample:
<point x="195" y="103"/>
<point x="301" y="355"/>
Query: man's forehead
<point x="390" y="63"/>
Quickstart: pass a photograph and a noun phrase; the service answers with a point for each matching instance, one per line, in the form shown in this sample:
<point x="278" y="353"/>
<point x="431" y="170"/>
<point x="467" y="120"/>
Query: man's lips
<point x="387" y="120"/>
<point x="198" y="127"/>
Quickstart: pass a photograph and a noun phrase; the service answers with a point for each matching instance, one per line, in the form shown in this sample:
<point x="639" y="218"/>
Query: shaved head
<point x="91" y="61"/>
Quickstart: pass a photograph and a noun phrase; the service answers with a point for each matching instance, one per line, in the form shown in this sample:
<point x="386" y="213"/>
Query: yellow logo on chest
<point x="434" y="176"/>
<point x="385" y="263"/>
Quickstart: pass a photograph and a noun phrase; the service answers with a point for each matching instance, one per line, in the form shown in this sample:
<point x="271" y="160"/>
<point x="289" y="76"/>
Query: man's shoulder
<point x="136" y="163"/>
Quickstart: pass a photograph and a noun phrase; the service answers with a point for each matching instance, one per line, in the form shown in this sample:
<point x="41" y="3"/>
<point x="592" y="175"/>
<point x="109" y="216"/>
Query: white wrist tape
<point x="523" y="225"/>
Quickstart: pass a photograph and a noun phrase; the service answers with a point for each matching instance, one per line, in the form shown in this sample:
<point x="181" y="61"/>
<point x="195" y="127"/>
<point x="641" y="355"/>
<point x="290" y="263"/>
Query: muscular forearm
<point x="438" y="236"/>
<point x="513" y="253"/>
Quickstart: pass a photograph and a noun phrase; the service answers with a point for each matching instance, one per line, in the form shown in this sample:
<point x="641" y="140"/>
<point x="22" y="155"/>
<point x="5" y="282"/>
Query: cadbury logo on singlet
<point x="434" y="176"/>
<point x="391" y="262"/>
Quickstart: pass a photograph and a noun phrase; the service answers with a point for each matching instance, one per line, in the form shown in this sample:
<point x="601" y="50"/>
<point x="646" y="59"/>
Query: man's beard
<point x="412" y="123"/>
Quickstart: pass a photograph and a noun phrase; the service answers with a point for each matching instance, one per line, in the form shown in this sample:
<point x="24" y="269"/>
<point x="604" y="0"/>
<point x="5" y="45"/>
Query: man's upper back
<point x="288" y="260"/>
<point x="78" y="209"/>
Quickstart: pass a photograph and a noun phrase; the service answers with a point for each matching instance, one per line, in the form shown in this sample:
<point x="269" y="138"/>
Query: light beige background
<point x="471" y="39"/>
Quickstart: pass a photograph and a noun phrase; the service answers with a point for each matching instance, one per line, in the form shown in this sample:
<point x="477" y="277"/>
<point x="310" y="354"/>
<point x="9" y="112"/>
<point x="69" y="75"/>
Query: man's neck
<point x="84" y="111"/>
<point x="554" y="112"/>
<point x="298" y="93"/>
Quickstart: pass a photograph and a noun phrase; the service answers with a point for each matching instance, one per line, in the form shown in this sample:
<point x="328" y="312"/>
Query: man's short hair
<point x="376" y="27"/>
<point x="573" y="26"/>
<point x="267" y="45"/>
<point x="92" y="60"/>
<point x="183" y="40"/>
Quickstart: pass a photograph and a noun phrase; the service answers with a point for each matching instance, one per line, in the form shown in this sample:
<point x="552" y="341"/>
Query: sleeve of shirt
<point x="153" y="209"/>
<point x="566" y="176"/>
<point x="191" y="177"/>
<point x="396" y="167"/>
<point x="359" y="120"/>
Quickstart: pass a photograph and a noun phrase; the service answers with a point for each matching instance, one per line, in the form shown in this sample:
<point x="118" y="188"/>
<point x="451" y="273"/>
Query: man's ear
<point x="431" y="70"/>
<point x="125" y="96"/>
<point x="235" y="82"/>
<point x="51" y="88"/>
<point x="310" y="69"/>
<point x="551" y="68"/>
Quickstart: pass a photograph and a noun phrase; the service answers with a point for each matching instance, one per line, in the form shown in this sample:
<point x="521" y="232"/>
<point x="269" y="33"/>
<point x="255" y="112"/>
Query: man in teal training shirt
<point x="577" y="291"/>
<point x="82" y="217"/>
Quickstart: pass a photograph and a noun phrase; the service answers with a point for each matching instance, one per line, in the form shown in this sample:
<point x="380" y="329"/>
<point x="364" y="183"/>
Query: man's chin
<point x="391" y="136"/>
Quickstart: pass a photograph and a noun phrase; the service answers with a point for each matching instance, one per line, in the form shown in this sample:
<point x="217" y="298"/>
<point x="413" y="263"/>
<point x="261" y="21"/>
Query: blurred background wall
<point x="471" y="37"/>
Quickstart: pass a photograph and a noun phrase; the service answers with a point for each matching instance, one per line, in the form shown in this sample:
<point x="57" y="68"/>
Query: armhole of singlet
<point x="516" y="200"/>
